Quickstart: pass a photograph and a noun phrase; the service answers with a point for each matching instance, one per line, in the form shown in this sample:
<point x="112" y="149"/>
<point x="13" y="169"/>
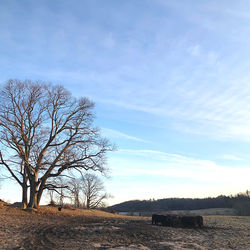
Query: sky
<point x="170" y="80"/>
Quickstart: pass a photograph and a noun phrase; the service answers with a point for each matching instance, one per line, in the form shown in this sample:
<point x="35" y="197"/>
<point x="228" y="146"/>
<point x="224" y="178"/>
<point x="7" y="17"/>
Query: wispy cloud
<point x="156" y="174"/>
<point x="117" y="134"/>
<point x="194" y="50"/>
<point x="231" y="157"/>
<point x="209" y="103"/>
<point x="157" y="163"/>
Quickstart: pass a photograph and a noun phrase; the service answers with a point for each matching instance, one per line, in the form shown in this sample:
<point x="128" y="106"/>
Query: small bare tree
<point x="51" y="197"/>
<point x="45" y="132"/>
<point x="93" y="190"/>
<point x="57" y="188"/>
<point x="75" y="191"/>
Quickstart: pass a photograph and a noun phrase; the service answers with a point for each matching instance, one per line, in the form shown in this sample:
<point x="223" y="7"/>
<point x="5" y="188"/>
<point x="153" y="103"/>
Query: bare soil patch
<point x="82" y="229"/>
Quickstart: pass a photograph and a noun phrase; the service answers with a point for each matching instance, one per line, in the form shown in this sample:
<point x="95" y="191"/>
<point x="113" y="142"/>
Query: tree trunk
<point x="33" y="198"/>
<point x="77" y="201"/>
<point x="88" y="203"/>
<point x="40" y="192"/>
<point x="25" y="190"/>
<point x="33" y="202"/>
<point x="24" y="196"/>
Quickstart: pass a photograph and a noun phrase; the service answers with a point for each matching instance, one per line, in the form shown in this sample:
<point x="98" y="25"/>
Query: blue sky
<point x="170" y="80"/>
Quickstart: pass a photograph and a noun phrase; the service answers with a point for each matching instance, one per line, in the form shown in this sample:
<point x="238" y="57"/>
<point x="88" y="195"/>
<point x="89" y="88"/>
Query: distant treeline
<point x="240" y="202"/>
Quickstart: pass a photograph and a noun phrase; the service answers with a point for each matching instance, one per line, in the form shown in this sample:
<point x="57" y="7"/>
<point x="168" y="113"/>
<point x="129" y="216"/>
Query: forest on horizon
<point x="240" y="202"/>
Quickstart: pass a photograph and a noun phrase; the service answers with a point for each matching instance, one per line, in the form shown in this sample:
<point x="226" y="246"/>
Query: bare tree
<point x="93" y="190"/>
<point x="51" y="197"/>
<point x="45" y="132"/>
<point x="59" y="187"/>
<point x="75" y="191"/>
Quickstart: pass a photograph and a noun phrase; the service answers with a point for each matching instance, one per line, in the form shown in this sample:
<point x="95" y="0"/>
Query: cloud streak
<point x="117" y="134"/>
<point x="157" y="163"/>
<point x="156" y="174"/>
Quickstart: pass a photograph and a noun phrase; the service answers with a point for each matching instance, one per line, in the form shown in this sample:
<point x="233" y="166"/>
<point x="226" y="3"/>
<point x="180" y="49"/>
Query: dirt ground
<point x="82" y="229"/>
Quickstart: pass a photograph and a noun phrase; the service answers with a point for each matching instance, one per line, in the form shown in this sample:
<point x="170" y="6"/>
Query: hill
<point x="240" y="202"/>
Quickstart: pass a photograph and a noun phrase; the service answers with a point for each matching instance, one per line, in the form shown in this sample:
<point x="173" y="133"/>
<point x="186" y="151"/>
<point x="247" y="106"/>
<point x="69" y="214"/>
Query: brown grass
<point x="86" y="229"/>
<point x="46" y="210"/>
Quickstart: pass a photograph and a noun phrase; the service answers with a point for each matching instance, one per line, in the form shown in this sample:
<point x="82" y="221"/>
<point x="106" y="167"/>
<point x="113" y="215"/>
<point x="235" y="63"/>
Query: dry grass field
<point x="82" y="229"/>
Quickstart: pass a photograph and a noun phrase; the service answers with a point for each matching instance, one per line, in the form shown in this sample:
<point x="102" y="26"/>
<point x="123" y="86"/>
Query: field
<point x="83" y="229"/>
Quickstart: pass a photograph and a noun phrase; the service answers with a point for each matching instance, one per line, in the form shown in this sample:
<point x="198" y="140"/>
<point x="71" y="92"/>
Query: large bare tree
<point x="45" y="132"/>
